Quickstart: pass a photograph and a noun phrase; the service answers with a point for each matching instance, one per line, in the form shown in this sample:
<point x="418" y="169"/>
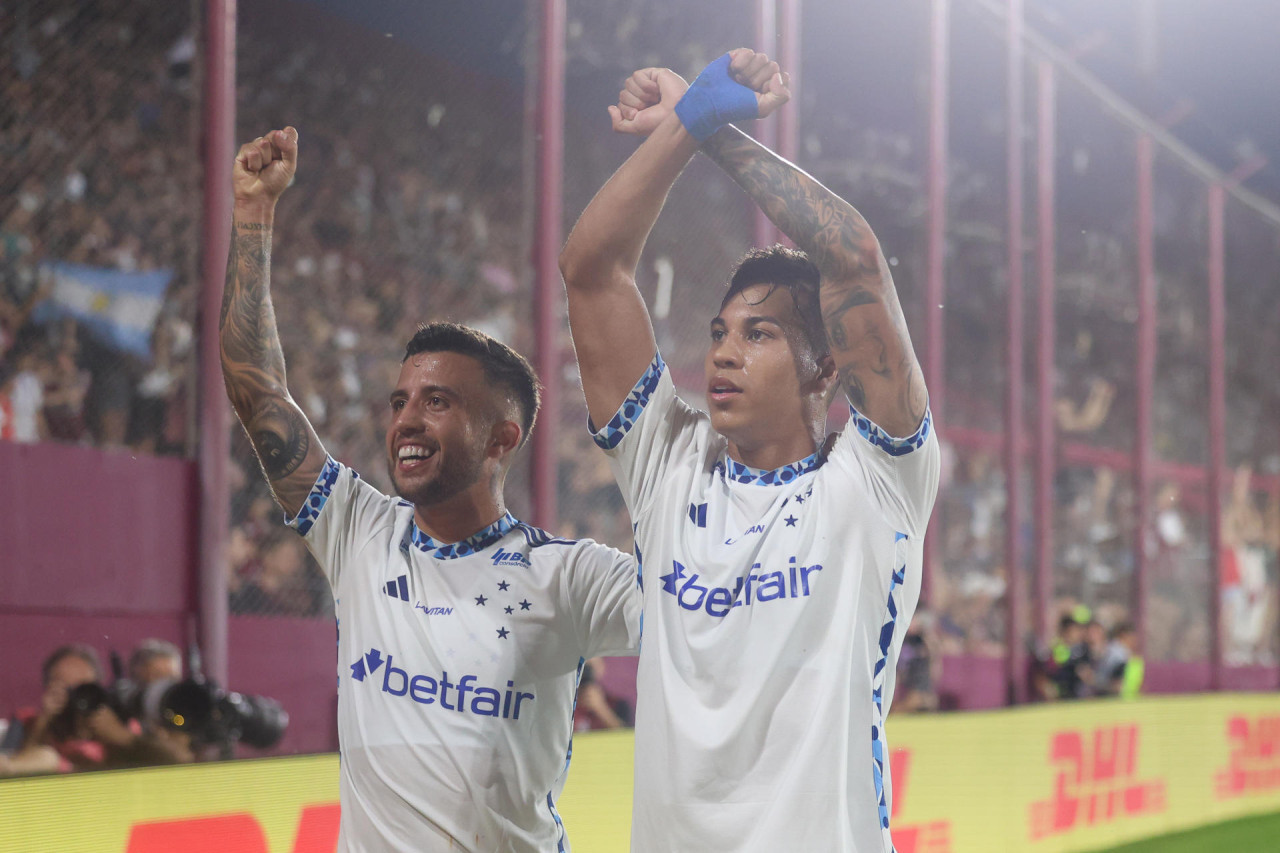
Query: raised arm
<point x="865" y="325"/>
<point x="612" y="335"/>
<point x="252" y="361"/>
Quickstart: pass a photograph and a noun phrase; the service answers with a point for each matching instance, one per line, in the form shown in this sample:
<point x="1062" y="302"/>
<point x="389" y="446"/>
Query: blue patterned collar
<point x="475" y="542"/>
<point x="739" y="473"/>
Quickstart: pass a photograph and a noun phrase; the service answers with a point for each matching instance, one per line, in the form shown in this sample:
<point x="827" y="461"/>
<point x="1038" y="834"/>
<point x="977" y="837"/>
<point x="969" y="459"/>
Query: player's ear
<point x="504" y="438"/>
<point x="825" y="380"/>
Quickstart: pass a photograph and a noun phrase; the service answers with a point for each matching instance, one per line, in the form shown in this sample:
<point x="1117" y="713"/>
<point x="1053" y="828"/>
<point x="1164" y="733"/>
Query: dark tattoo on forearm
<point x="253" y="361"/>
<point x="831" y="232"/>
<point x="280" y="435"/>
<point x="853" y="387"/>
<point x="834" y="319"/>
<point x="860" y="310"/>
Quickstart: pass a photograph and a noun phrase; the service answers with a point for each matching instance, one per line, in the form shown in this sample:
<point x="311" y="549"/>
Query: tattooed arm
<point x="860" y="309"/>
<point x="612" y="335"/>
<point x="252" y="360"/>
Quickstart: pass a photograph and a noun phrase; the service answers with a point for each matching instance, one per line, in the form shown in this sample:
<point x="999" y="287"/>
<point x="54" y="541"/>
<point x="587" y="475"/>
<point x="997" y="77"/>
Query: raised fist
<point x="761" y="75"/>
<point x="648" y="96"/>
<point x="264" y="168"/>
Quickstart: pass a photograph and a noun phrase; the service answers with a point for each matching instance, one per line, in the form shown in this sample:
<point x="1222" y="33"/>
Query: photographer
<point x="39" y="743"/>
<point x="150" y="719"/>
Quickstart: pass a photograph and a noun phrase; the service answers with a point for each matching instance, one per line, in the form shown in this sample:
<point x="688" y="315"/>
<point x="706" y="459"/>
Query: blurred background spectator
<point x="417" y="204"/>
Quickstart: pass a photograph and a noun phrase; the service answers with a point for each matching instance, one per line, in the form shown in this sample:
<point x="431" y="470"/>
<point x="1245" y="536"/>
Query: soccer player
<point x="780" y="569"/>
<point x="462" y="630"/>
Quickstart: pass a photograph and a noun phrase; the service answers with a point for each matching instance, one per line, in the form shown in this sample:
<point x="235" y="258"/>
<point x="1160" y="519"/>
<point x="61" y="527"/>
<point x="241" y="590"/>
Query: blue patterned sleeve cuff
<point x="887" y="443"/>
<point x="613" y="432"/>
<point x="315" y="501"/>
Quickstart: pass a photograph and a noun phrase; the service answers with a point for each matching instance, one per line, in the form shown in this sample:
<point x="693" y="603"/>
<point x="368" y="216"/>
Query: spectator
<point x="22" y="399"/>
<point x="1068" y="669"/>
<point x="155" y="661"/>
<point x="48" y="742"/>
<point x="918" y="667"/>
<point x="1121" y="669"/>
<point x="65" y="391"/>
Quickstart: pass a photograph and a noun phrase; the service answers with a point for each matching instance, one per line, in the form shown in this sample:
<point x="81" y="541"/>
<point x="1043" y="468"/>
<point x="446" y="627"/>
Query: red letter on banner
<point x="240" y="832"/>
<point x="317" y="829"/>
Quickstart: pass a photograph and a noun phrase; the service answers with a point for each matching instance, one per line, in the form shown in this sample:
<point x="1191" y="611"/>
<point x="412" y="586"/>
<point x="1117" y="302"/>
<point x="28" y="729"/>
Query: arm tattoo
<point x="831" y="232"/>
<point x="280" y="435"/>
<point x="252" y="359"/>
<point x="860" y="309"/>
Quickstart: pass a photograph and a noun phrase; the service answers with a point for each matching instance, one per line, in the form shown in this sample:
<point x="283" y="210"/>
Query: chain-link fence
<point x="408" y="207"/>
<point x="99" y="210"/>
<point x="414" y="202"/>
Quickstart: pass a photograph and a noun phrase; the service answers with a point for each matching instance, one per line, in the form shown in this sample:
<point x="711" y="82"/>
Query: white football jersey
<point x="775" y="603"/>
<point x="458" y="665"/>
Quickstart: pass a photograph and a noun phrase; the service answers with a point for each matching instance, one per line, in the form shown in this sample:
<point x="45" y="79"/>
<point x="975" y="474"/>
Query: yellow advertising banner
<point x="1047" y="779"/>
<point x="269" y="805"/>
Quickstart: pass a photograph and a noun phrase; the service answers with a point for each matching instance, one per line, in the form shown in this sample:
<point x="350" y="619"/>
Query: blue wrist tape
<point x="715" y="99"/>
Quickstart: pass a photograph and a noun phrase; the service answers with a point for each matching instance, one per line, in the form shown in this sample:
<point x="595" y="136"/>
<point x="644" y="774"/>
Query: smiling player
<point x="780" y="570"/>
<point x="463" y="630"/>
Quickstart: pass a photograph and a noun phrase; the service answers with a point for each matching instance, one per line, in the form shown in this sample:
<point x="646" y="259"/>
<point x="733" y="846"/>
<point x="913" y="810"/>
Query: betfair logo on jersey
<point x="438" y="690"/>
<point x="757" y="586"/>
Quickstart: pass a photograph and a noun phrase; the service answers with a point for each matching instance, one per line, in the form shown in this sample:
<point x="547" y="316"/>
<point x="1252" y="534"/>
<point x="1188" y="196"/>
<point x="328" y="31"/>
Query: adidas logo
<point x="398" y="588"/>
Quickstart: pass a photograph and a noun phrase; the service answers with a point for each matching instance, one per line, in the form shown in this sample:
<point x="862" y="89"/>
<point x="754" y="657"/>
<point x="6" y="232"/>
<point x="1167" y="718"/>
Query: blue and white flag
<point x="119" y="307"/>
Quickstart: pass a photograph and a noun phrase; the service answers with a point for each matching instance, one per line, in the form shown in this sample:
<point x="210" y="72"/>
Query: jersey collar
<point x="739" y="473"/>
<point x="475" y="542"/>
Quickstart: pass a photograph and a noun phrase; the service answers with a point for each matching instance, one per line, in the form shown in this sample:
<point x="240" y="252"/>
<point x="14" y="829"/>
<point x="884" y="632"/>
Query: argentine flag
<point x="119" y="307"/>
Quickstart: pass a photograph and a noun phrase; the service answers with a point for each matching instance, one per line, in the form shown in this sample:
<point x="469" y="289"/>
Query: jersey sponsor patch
<point x="756" y="587"/>
<point x="463" y="696"/>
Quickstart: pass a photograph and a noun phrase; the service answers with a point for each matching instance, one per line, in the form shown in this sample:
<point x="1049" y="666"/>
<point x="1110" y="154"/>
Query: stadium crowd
<point x="414" y="206"/>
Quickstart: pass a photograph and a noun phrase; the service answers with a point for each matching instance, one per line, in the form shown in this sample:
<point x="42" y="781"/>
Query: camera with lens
<point x="211" y="716"/>
<point x="82" y="701"/>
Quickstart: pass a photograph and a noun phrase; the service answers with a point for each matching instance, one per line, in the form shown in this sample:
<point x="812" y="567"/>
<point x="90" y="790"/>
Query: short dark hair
<point x="778" y="266"/>
<point x="83" y="651"/>
<point x="1122" y="629"/>
<point x="502" y="365"/>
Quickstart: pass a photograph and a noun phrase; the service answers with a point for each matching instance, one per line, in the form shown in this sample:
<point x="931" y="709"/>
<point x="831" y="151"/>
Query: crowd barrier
<point x="1047" y="779"/>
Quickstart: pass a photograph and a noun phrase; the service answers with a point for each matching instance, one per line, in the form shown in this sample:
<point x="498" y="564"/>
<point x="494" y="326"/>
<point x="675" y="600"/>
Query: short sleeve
<point x="341" y="513"/>
<point x="602" y="592"/>
<point x="900" y="473"/>
<point x="653" y="431"/>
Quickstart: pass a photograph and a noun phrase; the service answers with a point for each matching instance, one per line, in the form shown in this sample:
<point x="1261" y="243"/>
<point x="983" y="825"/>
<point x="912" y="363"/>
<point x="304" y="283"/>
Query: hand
<point x="265" y="167"/>
<point x="53" y="700"/>
<point x="106" y="728"/>
<point x="648" y="96"/>
<point x="761" y="75"/>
